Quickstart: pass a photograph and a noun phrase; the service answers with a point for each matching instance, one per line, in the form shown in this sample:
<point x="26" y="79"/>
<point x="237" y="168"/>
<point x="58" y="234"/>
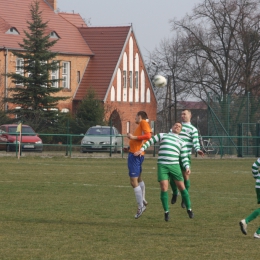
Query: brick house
<point x="106" y="59"/>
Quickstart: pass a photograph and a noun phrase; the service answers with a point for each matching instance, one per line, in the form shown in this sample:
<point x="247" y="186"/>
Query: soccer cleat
<point x="166" y="216"/>
<point x="183" y="204"/>
<point x="145" y="202"/>
<point x="256" y="235"/>
<point x="190" y="213"/>
<point x="174" y="198"/>
<point x="140" y="212"/>
<point x="243" y="226"/>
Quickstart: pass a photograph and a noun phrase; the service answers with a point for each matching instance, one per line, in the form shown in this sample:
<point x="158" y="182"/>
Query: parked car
<point x="100" y="139"/>
<point x="9" y="139"/>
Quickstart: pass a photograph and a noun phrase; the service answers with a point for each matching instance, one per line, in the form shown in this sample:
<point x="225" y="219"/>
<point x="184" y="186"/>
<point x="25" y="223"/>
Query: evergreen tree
<point x="90" y="112"/>
<point x="34" y="89"/>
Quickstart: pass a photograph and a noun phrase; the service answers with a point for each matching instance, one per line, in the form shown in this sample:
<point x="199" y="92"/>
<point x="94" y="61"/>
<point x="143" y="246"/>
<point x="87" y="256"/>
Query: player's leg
<point x="141" y="182"/>
<point x="162" y="175"/>
<point x="174" y="191"/>
<point x="257" y="233"/>
<point x="142" y="185"/>
<point x="185" y="197"/>
<point x="174" y="188"/>
<point x="176" y="174"/>
<point x="186" y="180"/>
<point x="253" y="215"/>
<point x="243" y="223"/>
<point x="134" y="172"/>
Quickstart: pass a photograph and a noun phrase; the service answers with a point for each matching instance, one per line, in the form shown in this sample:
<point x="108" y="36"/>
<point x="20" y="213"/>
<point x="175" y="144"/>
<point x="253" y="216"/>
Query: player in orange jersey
<point x="141" y="133"/>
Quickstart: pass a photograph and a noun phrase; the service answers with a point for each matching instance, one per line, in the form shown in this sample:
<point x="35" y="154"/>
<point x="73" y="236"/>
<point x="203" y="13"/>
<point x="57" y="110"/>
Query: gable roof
<point x="108" y="44"/>
<point x="16" y="13"/>
<point x="74" y="19"/>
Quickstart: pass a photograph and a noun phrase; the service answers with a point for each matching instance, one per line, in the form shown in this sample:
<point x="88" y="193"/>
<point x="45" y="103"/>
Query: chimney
<point x="53" y="4"/>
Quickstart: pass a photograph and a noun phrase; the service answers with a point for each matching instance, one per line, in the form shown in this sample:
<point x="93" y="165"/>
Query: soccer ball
<point x="159" y="81"/>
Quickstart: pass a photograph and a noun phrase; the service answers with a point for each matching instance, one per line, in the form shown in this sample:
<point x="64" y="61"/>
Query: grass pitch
<point x="63" y="208"/>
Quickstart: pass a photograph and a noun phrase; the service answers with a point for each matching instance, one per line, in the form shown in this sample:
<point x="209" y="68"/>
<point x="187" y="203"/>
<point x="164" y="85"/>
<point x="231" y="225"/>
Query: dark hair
<point x="177" y="122"/>
<point x="186" y="110"/>
<point x="142" y="114"/>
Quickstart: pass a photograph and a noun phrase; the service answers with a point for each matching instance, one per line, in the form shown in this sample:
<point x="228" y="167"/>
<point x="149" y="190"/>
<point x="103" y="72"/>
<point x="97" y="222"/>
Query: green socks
<point x="174" y="187"/>
<point x="186" y="198"/>
<point x="253" y="216"/>
<point x="164" y="199"/>
<point x="187" y="184"/>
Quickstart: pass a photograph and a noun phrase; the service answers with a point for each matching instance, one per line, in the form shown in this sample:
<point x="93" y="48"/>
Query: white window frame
<point x="130" y="79"/>
<point x="137" y="80"/>
<point x="19" y="63"/>
<point x="124" y="79"/>
<point x="66" y="74"/>
<point x="55" y="75"/>
<point x="13" y="31"/>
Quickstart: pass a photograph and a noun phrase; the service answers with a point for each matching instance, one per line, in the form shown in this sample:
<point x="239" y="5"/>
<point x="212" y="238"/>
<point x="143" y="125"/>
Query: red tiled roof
<point x="107" y="43"/>
<point x="16" y="13"/>
<point x="74" y="19"/>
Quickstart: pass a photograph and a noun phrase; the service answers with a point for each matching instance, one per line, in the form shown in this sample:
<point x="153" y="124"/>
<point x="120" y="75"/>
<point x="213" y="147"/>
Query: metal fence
<point x="239" y="146"/>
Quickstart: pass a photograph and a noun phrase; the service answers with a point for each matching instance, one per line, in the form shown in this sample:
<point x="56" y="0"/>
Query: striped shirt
<point x="255" y="172"/>
<point x="190" y="135"/>
<point x="172" y="148"/>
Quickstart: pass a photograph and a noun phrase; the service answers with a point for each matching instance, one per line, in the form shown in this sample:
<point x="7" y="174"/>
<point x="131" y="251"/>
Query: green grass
<point x="63" y="208"/>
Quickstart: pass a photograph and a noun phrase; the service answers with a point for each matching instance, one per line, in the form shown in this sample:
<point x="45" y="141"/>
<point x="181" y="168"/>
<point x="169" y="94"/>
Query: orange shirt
<point x="142" y="128"/>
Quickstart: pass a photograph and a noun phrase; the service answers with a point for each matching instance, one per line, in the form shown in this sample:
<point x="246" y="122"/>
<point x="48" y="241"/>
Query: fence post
<point x="70" y="138"/>
<point x="68" y="131"/>
<point x="110" y="150"/>
<point x="239" y="141"/>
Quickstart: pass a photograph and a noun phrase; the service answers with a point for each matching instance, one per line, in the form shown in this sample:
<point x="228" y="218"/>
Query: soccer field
<point x="64" y="208"/>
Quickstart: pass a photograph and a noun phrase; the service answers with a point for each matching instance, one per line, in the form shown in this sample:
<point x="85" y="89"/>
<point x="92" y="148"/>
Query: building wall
<point x="77" y="64"/>
<point x="127" y="102"/>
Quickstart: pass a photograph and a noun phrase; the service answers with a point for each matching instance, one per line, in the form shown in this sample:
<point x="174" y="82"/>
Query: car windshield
<point x="99" y="131"/>
<point x="25" y="130"/>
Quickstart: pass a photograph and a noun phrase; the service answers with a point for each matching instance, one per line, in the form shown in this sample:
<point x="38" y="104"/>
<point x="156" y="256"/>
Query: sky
<point x="149" y="18"/>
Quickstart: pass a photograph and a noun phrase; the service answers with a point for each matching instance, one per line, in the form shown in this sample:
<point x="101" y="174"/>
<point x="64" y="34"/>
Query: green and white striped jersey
<point x="190" y="135"/>
<point x="256" y="174"/>
<point x="171" y="149"/>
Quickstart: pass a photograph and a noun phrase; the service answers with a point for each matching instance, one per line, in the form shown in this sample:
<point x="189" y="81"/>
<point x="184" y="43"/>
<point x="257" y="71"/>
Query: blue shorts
<point x="135" y="165"/>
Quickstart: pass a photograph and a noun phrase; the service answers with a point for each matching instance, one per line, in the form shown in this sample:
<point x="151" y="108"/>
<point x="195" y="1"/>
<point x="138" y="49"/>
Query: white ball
<point x="159" y="81"/>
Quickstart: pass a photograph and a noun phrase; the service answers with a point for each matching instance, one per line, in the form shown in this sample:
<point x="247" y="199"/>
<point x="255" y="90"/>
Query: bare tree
<point x="223" y="39"/>
<point x="169" y="59"/>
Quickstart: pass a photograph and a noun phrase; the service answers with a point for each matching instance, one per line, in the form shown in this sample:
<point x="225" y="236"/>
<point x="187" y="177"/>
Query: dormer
<point x="54" y="35"/>
<point x="12" y="30"/>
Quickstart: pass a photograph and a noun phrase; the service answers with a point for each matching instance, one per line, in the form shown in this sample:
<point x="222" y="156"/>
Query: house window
<point x="136" y="80"/>
<point x="54" y="35"/>
<point x="19" y="68"/>
<point x="124" y="78"/>
<point x="66" y="74"/>
<point x="12" y="30"/>
<point x="54" y="75"/>
<point x="130" y="79"/>
<point x="152" y="126"/>
<point x="78" y="76"/>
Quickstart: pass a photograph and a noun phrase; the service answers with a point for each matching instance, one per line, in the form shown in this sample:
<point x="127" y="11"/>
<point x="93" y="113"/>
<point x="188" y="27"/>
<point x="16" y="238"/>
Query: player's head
<point x="141" y="115"/>
<point x="186" y="115"/>
<point x="176" y="128"/>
